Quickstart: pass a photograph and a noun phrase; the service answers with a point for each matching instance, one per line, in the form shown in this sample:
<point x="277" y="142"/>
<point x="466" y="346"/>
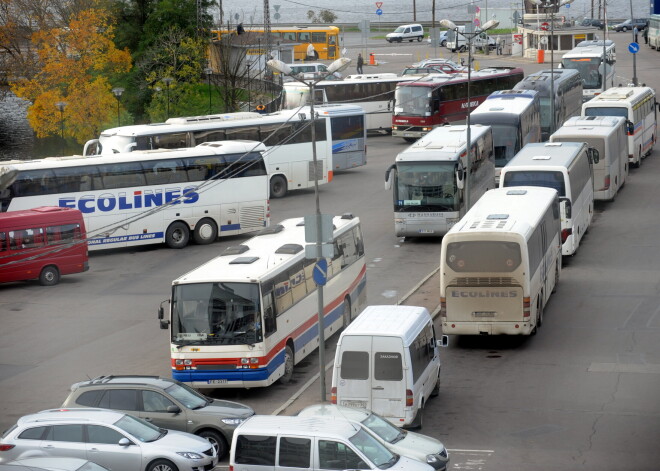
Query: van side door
<point x="337" y="455"/>
<point x="353" y="380"/>
<point x="390" y="373"/>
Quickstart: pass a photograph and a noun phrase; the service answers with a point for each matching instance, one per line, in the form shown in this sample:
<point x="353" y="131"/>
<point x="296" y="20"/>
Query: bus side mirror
<point x="388" y="176"/>
<point x="460" y="178"/>
<point x="566" y="206"/>
<point x="560" y="66"/>
<point x="594" y="155"/>
<point x="630" y="127"/>
<point x="443" y="342"/>
<point x="164" y="323"/>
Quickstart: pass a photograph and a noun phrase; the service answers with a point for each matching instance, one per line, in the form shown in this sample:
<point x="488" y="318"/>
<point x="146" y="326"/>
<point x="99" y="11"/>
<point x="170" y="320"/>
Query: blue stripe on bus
<point x="125" y="238"/>
<point x="230" y="227"/>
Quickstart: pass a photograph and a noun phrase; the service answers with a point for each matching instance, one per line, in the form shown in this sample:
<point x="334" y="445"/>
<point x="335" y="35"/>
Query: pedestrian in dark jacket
<point x="360" y="63"/>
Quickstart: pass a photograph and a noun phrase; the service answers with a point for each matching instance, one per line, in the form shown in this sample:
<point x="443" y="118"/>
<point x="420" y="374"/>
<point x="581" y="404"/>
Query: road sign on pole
<point x="379" y="4"/>
<point x="633" y="48"/>
<point x="379" y="12"/>
<point x="320" y="272"/>
<point x="545" y="25"/>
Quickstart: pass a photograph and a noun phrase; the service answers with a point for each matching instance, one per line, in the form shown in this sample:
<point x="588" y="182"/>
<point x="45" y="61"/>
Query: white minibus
<point x="595" y="60"/>
<point x="432" y="185"/>
<point x="636" y="104"/>
<point x="278" y="443"/>
<point x="387" y="360"/>
<point x="500" y="263"/>
<point x="565" y="167"/>
<point x="606" y="134"/>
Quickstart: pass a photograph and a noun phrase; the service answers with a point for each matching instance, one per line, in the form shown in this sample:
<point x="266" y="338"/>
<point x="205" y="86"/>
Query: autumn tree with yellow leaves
<point x="76" y="63"/>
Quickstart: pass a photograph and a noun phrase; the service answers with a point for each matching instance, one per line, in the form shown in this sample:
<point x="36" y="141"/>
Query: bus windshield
<point x="546" y="114"/>
<point x="426" y="187"/>
<point x="412" y="101"/>
<point x="488" y="256"/>
<point x="216" y="313"/>
<point x="506" y="142"/>
<point x="116" y="143"/>
<point x="545" y="179"/>
<point x="607" y="111"/>
<point x="590" y="70"/>
<point x="295" y="98"/>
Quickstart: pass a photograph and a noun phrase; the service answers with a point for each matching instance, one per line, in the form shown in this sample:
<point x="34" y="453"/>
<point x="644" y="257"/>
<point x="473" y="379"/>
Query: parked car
<point x="399" y="441"/>
<point x="52" y="463"/>
<point x="422" y="71"/>
<point x="442" y="38"/>
<point x="311" y="70"/>
<point x="629" y="25"/>
<point x="447" y="66"/>
<point x="165" y="403"/>
<point x="406" y="33"/>
<point x="116" y="440"/>
<point x="593" y="22"/>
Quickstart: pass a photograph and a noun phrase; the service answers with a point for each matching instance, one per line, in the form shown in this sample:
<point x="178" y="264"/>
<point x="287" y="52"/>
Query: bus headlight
<point x="250" y="362"/>
<point x="183" y="364"/>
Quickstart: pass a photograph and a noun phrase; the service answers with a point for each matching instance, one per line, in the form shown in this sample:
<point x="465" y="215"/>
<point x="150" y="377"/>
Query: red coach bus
<point x="435" y="100"/>
<point x="42" y="243"/>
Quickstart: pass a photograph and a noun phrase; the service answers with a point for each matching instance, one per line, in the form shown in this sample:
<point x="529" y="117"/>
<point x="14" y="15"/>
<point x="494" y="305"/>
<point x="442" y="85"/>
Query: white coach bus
<point x="595" y="60"/>
<point x="246" y="317"/>
<point x="608" y="135"/>
<point x="286" y="134"/>
<point x="433" y="184"/>
<point x="500" y="263"/>
<point x="515" y="116"/>
<point x="636" y="104"/>
<point x="148" y="197"/>
<point x="567" y="168"/>
<point x="372" y="92"/>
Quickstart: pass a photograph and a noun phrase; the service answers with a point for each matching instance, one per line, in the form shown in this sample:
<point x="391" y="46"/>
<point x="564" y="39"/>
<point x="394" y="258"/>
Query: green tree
<point x="324" y="16"/>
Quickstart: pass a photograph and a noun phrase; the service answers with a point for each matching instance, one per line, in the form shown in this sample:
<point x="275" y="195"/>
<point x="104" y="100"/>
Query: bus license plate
<point x="426" y="231"/>
<point x="484" y="314"/>
<point x="358" y="404"/>
<point x="218" y="381"/>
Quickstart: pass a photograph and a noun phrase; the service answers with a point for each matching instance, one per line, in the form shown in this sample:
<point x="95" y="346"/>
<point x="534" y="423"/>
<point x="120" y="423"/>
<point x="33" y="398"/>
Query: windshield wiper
<point x="401" y="436"/>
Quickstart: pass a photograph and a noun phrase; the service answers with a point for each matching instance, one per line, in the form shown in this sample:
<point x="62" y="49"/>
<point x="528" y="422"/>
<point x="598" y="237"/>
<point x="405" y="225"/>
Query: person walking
<point x="645" y="35"/>
<point x="360" y="63"/>
<point x="498" y="43"/>
<point x="635" y="33"/>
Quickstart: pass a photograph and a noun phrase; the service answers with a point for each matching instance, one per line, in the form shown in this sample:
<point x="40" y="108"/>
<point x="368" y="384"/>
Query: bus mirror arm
<point x="164" y="323"/>
<point x="566" y="203"/>
<point x="460" y="178"/>
<point x="630" y="127"/>
<point x="443" y="342"/>
<point x="594" y="155"/>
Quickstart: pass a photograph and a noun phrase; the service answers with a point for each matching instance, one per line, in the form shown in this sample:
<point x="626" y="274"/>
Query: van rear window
<point x="388" y="366"/>
<point x="354" y="365"/>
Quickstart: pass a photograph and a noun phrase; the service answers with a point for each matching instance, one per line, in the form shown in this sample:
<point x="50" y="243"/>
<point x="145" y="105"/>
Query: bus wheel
<point x="462" y="49"/>
<point x="206" y="231"/>
<point x="418" y="423"/>
<point x="436" y="388"/>
<point x="177" y="235"/>
<point x="555" y="286"/>
<point x="347" y="311"/>
<point x="277" y="186"/>
<point x="288" y="365"/>
<point x="539" y="315"/>
<point x="639" y="156"/>
<point x="49" y="276"/>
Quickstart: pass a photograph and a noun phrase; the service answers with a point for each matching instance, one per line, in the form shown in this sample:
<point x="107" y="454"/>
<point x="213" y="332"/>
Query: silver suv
<point x="165" y="403"/>
<point x="108" y="438"/>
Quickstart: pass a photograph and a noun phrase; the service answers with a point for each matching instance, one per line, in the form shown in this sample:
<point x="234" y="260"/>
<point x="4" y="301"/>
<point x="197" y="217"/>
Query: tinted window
<point x="255" y="449"/>
<point x="121" y="399"/>
<point x="89" y="398"/>
<point x="354" y="365"/>
<point x="100" y="434"/>
<point x="34" y="433"/>
<point x="548" y="179"/>
<point x="336" y="455"/>
<point x="295" y="452"/>
<point x="388" y="366"/>
<point x="155" y="402"/>
<point x="483" y="256"/>
<point x="63" y="234"/>
<point x="65" y="433"/>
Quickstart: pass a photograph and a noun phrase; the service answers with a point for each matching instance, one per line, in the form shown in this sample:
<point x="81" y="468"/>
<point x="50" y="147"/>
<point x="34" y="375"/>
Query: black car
<point x="629" y="25"/>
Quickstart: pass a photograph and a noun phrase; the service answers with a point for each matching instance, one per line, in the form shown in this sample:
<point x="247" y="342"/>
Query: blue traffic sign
<point x="568" y="5"/>
<point x="633" y="48"/>
<point x="379" y="12"/>
<point x="320" y="272"/>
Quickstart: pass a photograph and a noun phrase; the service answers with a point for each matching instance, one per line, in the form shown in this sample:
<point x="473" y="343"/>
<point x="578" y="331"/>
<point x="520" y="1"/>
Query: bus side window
<point x="16" y="239"/>
<point x="3" y="241"/>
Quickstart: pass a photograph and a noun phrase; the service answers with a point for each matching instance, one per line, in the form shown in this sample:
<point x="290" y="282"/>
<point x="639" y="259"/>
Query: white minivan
<point x="387" y="360"/>
<point x="406" y="33"/>
<point x="274" y="443"/>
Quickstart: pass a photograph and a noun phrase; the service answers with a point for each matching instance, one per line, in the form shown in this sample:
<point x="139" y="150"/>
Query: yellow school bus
<point x="324" y="38"/>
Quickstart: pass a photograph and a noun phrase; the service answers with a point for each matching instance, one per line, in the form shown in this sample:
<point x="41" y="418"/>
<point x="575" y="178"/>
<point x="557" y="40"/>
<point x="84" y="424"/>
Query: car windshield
<point x="400" y="29"/>
<point x="383" y="428"/>
<point x="373" y="450"/>
<point x="187" y="396"/>
<point x="140" y="429"/>
<point x="89" y="466"/>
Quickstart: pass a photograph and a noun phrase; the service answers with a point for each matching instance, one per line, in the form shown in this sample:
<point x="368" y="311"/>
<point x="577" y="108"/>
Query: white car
<point x="406" y="33"/>
<point x="442" y="38"/>
<point x="402" y="442"/>
<point x="115" y="440"/>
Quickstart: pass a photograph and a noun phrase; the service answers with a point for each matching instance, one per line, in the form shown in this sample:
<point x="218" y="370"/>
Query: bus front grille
<point x="252" y="216"/>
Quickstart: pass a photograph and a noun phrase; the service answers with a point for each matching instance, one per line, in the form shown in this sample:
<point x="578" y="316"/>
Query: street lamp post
<point x="248" y="64"/>
<point x="545" y="6"/>
<point x="167" y="81"/>
<point x="117" y="92"/>
<point x="337" y="66"/>
<point x="469" y="37"/>
<point x="208" y="71"/>
<point x="60" y="106"/>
